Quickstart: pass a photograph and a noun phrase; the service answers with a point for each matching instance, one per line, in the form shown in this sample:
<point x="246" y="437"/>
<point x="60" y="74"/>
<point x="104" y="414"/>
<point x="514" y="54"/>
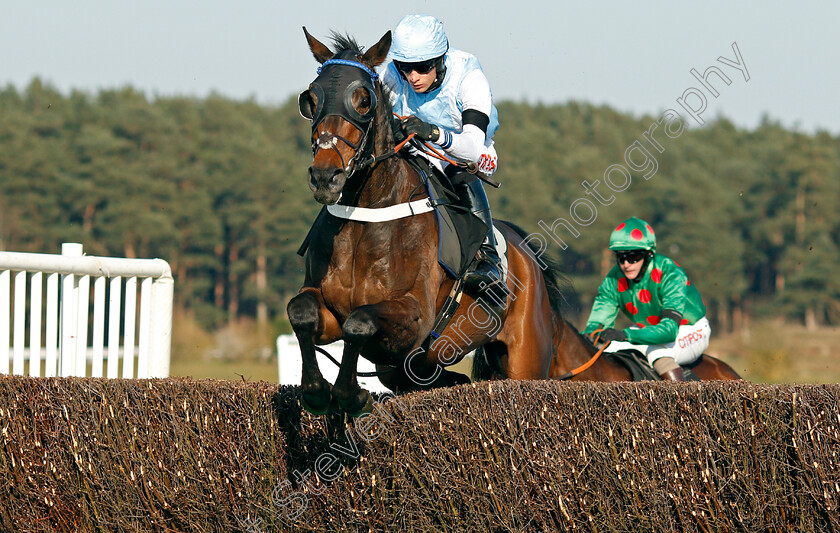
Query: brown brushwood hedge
<point x="182" y="455"/>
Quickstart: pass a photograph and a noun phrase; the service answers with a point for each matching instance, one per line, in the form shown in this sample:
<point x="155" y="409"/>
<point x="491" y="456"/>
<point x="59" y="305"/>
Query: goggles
<point x="421" y="67"/>
<point x="632" y="256"/>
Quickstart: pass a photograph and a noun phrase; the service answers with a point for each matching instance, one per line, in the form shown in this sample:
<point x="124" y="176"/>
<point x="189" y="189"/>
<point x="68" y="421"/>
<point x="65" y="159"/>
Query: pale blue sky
<point x="633" y="56"/>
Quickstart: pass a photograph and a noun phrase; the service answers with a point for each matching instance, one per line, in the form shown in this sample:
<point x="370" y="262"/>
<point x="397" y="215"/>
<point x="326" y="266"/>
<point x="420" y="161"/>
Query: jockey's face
<point x="421" y="83"/>
<point x="631" y="263"/>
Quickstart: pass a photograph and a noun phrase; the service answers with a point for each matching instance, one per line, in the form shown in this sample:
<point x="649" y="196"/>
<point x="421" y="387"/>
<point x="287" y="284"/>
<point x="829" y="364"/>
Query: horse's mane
<point x="345" y="43"/>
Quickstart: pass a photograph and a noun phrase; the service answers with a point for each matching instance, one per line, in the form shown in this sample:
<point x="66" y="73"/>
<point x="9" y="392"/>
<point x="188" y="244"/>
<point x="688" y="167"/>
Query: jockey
<point x="654" y="292"/>
<point x="446" y="100"/>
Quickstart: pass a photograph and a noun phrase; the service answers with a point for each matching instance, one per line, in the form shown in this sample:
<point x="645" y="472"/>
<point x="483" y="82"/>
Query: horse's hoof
<point x="316" y="408"/>
<point x="360" y="408"/>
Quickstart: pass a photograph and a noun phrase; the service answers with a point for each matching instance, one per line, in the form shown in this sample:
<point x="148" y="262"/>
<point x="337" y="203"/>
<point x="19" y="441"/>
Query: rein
<point x="424" y="146"/>
<point x="586" y="365"/>
<point x="431" y="151"/>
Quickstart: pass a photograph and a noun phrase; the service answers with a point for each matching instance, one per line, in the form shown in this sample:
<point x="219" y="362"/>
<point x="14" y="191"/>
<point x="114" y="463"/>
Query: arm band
<point x="673" y="315"/>
<point x="471" y="116"/>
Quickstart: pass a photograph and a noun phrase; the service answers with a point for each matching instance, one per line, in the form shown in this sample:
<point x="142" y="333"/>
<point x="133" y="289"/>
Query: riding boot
<point x="486" y="271"/>
<point x="673" y="375"/>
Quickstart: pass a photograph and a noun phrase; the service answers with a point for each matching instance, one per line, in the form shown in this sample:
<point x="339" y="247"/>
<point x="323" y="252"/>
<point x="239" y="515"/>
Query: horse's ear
<point x="319" y="50"/>
<point x="377" y="53"/>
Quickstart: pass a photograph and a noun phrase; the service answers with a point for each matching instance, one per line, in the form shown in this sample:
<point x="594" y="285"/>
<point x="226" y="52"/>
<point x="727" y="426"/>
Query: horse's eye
<point x="361" y="100"/>
<point x="307" y="104"/>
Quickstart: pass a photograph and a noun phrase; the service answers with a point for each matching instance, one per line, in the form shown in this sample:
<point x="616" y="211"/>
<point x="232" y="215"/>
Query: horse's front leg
<point x="311" y="320"/>
<point x="396" y="325"/>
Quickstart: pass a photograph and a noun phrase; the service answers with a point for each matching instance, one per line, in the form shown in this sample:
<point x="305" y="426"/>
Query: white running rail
<point x="62" y="314"/>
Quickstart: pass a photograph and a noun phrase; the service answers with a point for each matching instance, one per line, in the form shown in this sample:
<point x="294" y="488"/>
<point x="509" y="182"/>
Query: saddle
<point x="460" y="234"/>
<point x="640" y="369"/>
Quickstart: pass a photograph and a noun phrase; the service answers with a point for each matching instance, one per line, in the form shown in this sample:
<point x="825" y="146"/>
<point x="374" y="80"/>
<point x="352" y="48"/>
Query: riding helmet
<point x="633" y="234"/>
<point x="418" y="38"/>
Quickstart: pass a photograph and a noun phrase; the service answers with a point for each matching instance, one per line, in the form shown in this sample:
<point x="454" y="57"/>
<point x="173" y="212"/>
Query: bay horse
<point x="576" y="350"/>
<point x="378" y="284"/>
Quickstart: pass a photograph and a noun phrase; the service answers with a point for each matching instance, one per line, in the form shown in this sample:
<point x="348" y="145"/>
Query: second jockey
<point x="653" y="291"/>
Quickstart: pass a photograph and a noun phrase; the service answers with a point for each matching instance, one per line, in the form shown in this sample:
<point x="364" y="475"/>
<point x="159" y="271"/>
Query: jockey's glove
<point x="396" y="129"/>
<point x="420" y="129"/>
<point x="612" y="334"/>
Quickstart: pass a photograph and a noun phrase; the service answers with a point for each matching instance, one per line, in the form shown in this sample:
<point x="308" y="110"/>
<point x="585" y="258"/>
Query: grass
<point x="777" y="352"/>
<point x="225" y="369"/>
<point x="770" y="352"/>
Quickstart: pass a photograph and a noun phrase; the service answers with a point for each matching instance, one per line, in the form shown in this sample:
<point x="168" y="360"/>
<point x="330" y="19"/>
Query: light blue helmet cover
<point x="418" y="38"/>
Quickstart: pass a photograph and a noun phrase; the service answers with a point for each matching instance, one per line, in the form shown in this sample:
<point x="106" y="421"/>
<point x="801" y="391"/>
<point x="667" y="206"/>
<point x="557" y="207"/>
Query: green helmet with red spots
<point x="633" y="234"/>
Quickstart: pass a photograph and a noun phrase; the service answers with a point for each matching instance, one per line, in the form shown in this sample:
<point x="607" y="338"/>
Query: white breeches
<point x="690" y="343"/>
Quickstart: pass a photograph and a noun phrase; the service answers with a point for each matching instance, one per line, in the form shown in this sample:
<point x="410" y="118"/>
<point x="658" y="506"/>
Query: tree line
<point x="217" y="187"/>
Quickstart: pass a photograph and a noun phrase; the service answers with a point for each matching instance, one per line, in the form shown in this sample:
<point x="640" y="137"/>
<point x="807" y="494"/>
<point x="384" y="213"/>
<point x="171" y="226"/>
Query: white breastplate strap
<point x="381" y="214"/>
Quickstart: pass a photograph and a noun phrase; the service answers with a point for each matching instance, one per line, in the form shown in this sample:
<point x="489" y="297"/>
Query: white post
<point x="130" y="317"/>
<point x="82" y="306"/>
<point x="114" y="313"/>
<point x="52" y="324"/>
<point x="144" y="329"/>
<point x="282" y="346"/>
<point x="5" y="310"/>
<point x="35" y="324"/>
<point x="98" y="327"/>
<point x="19" y="340"/>
<point x="69" y="290"/>
<point x="160" y="343"/>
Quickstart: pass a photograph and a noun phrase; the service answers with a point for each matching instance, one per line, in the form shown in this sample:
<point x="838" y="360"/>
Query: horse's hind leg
<point x="311" y="320"/>
<point x="394" y="322"/>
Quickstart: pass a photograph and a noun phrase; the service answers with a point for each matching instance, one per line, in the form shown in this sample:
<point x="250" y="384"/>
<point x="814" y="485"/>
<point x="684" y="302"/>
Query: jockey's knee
<point x="663" y="365"/>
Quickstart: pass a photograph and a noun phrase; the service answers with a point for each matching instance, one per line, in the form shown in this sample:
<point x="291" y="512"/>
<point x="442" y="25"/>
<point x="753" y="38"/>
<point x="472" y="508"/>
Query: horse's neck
<point x="389" y="183"/>
<point x="392" y="180"/>
<point x="586" y="350"/>
<point x="579" y="350"/>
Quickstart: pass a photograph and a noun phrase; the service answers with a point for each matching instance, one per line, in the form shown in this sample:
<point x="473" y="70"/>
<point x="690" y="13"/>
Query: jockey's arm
<point x="469" y="143"/>
<point x="604" y="308"/>
<point x="674" y="296"/>
<point x="662" y="333"/>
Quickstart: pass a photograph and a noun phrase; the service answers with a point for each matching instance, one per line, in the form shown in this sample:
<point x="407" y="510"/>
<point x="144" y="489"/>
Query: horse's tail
<point x="486" y="365"/>
<point x="481" y="368"/>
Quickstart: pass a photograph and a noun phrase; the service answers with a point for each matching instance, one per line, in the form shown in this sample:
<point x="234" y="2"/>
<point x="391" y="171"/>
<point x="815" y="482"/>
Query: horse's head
<point x="341" y="105"/>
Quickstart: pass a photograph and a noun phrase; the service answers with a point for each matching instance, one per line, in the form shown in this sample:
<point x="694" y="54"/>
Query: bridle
<point x="351" y="75"/>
